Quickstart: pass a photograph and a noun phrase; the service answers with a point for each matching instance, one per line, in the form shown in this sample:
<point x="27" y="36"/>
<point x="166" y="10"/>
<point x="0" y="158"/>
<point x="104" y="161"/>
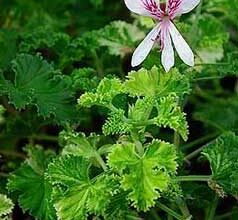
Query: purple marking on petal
<point x="153" y="8"/>
<point x="173" y="6"/>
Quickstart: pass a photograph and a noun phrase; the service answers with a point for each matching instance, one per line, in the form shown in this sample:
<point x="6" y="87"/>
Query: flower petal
<point x="143" y="50"/>
<point x="181" y="46"/>
<point x="187" y="6"/>
<point x="167" y="57"/>
<point x="137" y="6"/>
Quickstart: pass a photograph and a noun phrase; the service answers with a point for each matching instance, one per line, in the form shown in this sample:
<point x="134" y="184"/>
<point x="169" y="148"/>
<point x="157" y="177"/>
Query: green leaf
<point x="84" y="79"/>
<point x="144" y="176"/>
<point x="116" y="123"/>
<point x="141" y="110"/>
<point x="37" y="84"/>
<point x="222" y="155"/>
<point x="106" y="91"/>
<point x="80" y="195"/>
<point x="118" y="208"/>
<point x="212" y="37"/>
<point x="170" y="115"/>
<point x="223" y="114"/>
<point x="8" y="46"/>
<point x="120" y="37"/>
<point x="68" y="171"/>
<point x="156" y="82"/>
<point x="44" y="37"/>
<point x="6" y="205"/>
<point x="78" y="144"/>
<point x="33" y="189"/>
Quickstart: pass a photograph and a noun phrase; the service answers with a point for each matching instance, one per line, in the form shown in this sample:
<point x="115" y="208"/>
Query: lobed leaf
<point x="144" y="176"/>
<point x="33" y="189"/>
<point x="222" y="155"/>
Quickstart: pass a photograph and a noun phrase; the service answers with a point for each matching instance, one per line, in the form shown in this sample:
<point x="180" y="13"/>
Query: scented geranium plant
<point x="118" y="110"/>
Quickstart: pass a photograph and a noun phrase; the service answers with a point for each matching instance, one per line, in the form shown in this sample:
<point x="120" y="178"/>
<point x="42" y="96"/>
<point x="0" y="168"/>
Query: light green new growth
<point x="154" y="90"/>
<point x="144" y="176"/>
<point x="6" y="206"/>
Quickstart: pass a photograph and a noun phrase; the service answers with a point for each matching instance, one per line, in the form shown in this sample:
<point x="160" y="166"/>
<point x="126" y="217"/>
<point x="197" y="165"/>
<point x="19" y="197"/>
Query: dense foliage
<point x="86" y="136"/>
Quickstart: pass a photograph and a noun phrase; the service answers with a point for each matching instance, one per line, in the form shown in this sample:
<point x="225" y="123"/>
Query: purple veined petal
<point x="167" y="56"/>
<point x="137" y="6"/>
<point x="187" y="6"/>
<point x="181" y="46"/>
<point x="150" y="8"/>
<point x="143" y="50"/>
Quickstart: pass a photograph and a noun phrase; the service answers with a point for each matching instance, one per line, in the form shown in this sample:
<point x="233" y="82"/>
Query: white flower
<point x="164" y="32"/>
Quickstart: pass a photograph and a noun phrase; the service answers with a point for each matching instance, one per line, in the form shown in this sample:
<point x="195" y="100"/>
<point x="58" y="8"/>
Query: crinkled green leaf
<point x="170" y="115"/>
<point x="156" y="82"/>
<point x="44" y="37"/>
<point x="84" y="79"/>
<point x="118" y="209"/>
<point x="212" y="37"/>
<point x="106" y="91"/>
<point x="6" y="205"/>
<point x="80" y="195"/>
<point x="141" y="110"/>
<point x="33" y="189"/>
<point x="78" y="144"/>
<point x="222" y="155"/>
<point x="37" y="84"/>
<point x="68" y="171"/>
<point x="144" y="176"/>
<point x="116" y="123"/>
<point x="120" y="37"/>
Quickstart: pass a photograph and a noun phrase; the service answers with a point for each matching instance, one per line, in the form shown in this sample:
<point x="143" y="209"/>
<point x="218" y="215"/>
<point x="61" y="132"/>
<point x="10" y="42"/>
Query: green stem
<point x="12" y="154"/>
<point x="4" y="174"/>
<point x="184" y="209"/>
<point x="201" y="140"/>
<point x="176" y="140"/>
<point x="212" y="210"/>
<point x="194" y="154"/>
<point x="154" y="214"/>
<point x="98" y="64"/>
<point x="170" y="211"/>
<point x="44" y="137"/>
<point x="200" y="178"/>
<point x="223" y="216"/>
<point x="101" y="161"/>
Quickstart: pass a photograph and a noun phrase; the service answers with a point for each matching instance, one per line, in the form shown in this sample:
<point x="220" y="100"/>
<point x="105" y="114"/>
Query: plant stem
<point x="154" y="214"/>
<point x="101" y="161"/>
<point x="176" y="140"/>
<point x="12" y="154"/>
<point x="200" y="178"/>
<point x="201" y="140"/>
<point x="98" y="64"/>
<point x="184" y="209"/>
<point x="223" y="216"/>
<point x="212" y="209"/>
<point x="4" y="174"/>
<point x="170" y="211"/>
<point x="44" y="137"/>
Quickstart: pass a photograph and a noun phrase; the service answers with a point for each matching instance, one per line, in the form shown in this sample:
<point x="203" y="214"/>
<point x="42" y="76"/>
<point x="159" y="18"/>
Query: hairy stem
<point x="170" y="211"/>
<point x="12" y="154"/>
<point x="200" y="178"/>
<point x="98" y="64"/>
<point x="212" y="208"/>
<point x="184" y="209"/>
<point x="101" y="161"/>
<point x="44" y="137"/>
